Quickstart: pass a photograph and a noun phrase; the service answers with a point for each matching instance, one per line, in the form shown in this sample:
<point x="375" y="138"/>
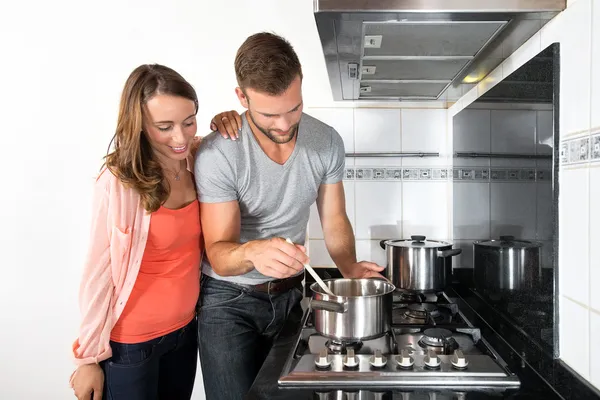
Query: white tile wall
<point x="424" y="130"/>
<point x="595" y="239"/>
<point x="513" y="210"/>
<point x="574" y="234"/>
<point x="387" y="209"/>
<point x="513" y="131"/>
<point x="575" y="55"/>
<point x="471" y="210"/>
<point x="369" y="250"/>
<point x="377" y="130"/>
<point x="595" y="86"/>
<point x="379" y="210"/>
<point x="475" y="136"/>
<point x="425" y="209"/>
<point x="318" y="254"/>
<point x="575" y="336"/>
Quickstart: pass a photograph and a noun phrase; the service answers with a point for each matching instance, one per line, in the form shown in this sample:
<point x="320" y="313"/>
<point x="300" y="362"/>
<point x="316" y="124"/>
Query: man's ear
<point x="242" y="97"/>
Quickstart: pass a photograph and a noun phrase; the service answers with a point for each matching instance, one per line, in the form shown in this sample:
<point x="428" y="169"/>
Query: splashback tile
<point x="575" y="59"/>
<point x="425" y="209"/>
<point x="513" y="131"/>
<point x="513" y="209"/>
<point x="574" y="236"/>
<point x="472" y="133"/>
<point x="575" y="336"/>
<point x="471" y="210"/>
<point x="424" y="130"/>
<point x="369" y="250"/>
<point x="595" y="78"/>
<point x="377" y="130"/>
<point x="378" y="209"/>
<point x="464" y="259"/>
<point x="594" y="221"/>
<point x="318" y="254"/>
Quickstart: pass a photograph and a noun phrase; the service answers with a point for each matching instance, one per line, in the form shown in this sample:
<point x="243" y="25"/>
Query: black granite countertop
<point x="541" y="376"/>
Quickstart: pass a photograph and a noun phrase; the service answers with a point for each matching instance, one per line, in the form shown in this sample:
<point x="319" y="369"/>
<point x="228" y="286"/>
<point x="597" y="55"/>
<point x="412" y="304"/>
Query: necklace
<point x="177" y="178"/>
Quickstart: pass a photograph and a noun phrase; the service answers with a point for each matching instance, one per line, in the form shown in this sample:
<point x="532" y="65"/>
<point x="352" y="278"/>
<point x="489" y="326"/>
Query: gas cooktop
<point x="431" y="344"/>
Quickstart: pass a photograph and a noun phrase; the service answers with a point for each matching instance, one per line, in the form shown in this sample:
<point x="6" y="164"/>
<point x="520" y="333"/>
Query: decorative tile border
<point x="581" y="150"/>
<point x="463" y="174"/>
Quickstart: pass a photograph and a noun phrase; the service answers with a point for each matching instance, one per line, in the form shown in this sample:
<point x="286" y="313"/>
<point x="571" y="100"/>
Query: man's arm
<point x="339" y="237"/>
<point x="221" y="226"/>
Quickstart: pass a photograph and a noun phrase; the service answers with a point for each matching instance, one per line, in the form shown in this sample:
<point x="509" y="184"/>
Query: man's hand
<point x="276" y="258"/>
<point x="227" y="123"/>
<point x="365" y="269"/>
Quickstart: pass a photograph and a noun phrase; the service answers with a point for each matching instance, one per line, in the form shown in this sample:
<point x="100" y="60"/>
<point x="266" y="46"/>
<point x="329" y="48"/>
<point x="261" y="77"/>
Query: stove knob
<point x="458" y="360"/>
<point x="431" y="360"/>
<point x="378" y="360"/>
<point x="323" y="360"/>
<point x="404" y="360"/>
<point x="350" y="360"/>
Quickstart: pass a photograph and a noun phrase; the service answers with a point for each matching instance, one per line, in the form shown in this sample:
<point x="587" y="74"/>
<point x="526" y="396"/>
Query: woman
<point x="140" y="284"/>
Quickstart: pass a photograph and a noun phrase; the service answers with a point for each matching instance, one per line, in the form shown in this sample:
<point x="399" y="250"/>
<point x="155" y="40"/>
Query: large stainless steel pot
<point x="361" y="308"/>
<point x="506" y="264"/>
<point x="419" y="265"/>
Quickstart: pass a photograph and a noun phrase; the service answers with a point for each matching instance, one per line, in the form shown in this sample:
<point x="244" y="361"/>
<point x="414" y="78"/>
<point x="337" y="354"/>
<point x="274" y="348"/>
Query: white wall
<point x="63" y="66"/>
<point x="578" y="31"/>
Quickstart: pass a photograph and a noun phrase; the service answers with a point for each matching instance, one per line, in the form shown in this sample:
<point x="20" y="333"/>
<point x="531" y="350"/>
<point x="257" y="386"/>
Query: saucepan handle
<point x="382" y="243"/>
<point x="329" y="306"/>
<point x="449" y="253"/>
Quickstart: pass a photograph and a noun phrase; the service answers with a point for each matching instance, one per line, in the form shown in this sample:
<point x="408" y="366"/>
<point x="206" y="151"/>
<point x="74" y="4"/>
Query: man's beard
<point x="273" y="136"/>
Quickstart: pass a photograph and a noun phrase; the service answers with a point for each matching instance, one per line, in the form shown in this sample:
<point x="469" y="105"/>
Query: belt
<point x="279" y="285"/>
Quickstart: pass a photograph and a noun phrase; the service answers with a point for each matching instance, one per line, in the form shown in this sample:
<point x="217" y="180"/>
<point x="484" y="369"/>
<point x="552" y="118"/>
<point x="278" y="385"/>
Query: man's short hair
<point x="267" y="63"/>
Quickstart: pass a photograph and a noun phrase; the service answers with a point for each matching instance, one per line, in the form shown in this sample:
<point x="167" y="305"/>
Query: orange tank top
<point x="164" y="296"/>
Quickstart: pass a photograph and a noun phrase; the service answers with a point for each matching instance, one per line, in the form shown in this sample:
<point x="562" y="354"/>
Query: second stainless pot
<point x="361" y="309"/>
<point x="506" y="264"/>
<point x="419" y="265"/>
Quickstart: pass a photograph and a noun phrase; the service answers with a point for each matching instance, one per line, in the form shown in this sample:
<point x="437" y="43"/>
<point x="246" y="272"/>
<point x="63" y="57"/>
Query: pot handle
<point x="382" y="243"/>
<point x="328" y="306"/>
<point x="449" y="253"/>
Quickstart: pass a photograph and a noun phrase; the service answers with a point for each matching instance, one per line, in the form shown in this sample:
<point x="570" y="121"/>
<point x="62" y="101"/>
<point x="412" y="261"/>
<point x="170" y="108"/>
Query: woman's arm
<point x="96" y="288"/>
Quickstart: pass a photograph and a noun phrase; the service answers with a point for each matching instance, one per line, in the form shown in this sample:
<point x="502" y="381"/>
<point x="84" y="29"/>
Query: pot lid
<point x="508" y="242"/>
<point x="417" y="241"/>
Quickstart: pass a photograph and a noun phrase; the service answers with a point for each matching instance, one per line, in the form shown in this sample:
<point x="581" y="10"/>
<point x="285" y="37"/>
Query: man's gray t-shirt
<point x="274" y="199"/>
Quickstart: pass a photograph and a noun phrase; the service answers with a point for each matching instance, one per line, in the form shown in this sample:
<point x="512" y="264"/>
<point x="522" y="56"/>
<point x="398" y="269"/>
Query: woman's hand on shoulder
<point x="228" y="124"/>
<point x="88" y="382"/>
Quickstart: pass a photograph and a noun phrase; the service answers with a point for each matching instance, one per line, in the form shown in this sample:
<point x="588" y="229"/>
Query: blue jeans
<point x="236" y="329"/>
<point x="161" y="368"/>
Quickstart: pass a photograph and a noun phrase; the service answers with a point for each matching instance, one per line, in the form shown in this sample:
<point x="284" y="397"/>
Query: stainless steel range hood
<point x="419" y="49"/>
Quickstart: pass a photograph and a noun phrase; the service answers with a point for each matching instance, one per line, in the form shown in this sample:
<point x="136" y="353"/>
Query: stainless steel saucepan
<point x="418" y="264"/>
<point x="506" y="264"/>
<point x="360" y="310"/>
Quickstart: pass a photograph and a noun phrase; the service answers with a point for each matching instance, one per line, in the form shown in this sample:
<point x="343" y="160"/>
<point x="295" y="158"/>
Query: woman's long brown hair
<point x="132" y="159"/>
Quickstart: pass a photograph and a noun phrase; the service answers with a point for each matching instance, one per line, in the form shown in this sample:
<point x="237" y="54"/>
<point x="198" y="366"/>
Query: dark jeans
<point x="236" y="329"/>
<point x="161" y="368"/>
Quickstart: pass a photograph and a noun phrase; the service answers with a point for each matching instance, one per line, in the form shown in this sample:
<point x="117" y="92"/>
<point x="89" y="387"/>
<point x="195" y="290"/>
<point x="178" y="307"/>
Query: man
<point x="255" y="192"/>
